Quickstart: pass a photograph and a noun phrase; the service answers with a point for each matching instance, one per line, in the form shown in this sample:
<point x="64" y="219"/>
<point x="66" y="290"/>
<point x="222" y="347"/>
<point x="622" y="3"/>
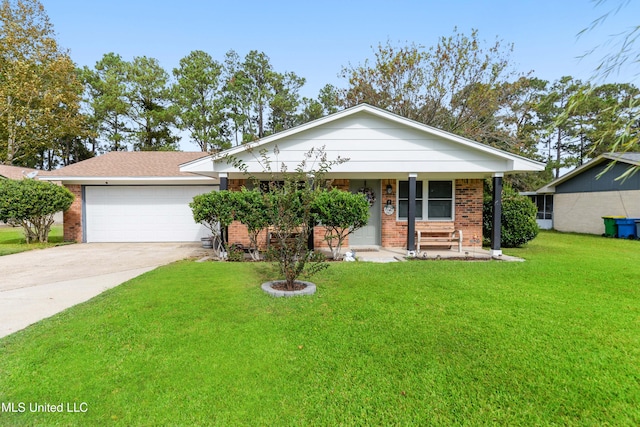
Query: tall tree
<point x="520" y="116"/>
<point x="618" y="53"/>
<point x="328" y="102"/>
<point x="451" y="85"/>
<point x="198" y="96"/>
<point x="561" y="141"/>
<point x="39" y="91"/>
<point x="260" y="100"/>
<point x="106" y="97"/>
<point x="285" y="101"/>
<point x="615" y="117"/>
<point x="151" y="110"/>
<point x="235" y="97"/>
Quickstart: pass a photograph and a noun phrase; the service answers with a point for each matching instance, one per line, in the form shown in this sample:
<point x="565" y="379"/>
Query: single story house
<point x="583" y="196"/>
<point x="417" y="176"/>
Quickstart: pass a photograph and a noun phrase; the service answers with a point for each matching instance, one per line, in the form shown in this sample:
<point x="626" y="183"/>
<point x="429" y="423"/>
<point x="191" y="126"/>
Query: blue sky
<point x="316" y="39"/>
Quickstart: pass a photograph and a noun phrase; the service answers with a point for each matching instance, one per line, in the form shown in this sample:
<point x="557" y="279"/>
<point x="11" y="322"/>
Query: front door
<point x="369" y="235"/>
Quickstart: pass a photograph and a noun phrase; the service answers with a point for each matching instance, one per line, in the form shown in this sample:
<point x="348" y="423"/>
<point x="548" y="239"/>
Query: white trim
<point x="495" y="253"/>
<point x="145" y="180"/>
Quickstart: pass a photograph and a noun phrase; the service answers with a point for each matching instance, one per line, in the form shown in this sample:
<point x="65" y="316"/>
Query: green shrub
<point x="341" y="213"/>
<point x="518" y="219"/>
<point x="250" y="209"/>
<point x="32" y="204"/>
<point x="215" y="211"/>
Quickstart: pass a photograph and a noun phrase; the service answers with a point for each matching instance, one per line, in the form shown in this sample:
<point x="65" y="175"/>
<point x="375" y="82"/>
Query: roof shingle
<point x="15" y="172"/>
<point x="131" y="164"/>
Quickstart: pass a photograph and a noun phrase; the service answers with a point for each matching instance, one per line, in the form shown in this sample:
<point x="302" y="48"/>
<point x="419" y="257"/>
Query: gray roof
<point x="632" y="159"/>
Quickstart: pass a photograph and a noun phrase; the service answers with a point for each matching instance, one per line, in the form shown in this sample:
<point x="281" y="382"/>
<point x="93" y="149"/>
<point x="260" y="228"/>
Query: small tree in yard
<point x="215" y="211"/>
<point x="288" y="200"/>
<point x="341" y="213"/>
<point x="32" y="204"/>
<point x="249" y="209"/>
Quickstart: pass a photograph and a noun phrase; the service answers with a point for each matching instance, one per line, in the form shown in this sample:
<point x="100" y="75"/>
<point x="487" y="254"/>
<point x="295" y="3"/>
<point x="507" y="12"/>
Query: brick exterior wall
<point x="469" y="194"/>
<point x="468" y="215"/>
<point x="394" y="232"/>
<point x="72" y="218"/>
<point x="238" y="232"/>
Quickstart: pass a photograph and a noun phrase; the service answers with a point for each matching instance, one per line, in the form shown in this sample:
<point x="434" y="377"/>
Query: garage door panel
<point x="142" y="214"/>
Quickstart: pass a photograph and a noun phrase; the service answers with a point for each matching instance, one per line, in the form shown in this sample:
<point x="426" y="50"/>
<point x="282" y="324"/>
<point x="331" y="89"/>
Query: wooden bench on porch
<point x="274" y="241"/>
<point x="435" y="234"/>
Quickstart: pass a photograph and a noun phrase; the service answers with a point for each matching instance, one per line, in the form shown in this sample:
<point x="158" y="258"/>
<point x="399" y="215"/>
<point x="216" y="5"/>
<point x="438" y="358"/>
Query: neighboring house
<point x="132" y="197"/>
<point x="17" y="172"/>
<point x="583" y="196"/>
<point x="419" y="175"/>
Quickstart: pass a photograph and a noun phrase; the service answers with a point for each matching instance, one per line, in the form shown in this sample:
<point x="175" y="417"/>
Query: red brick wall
<point x="72" y="218"/>
<point x="469" y="194"/>
<point x="468" y="208"/>
<point x="238" y="232"/>
<point x="394" y="232"/>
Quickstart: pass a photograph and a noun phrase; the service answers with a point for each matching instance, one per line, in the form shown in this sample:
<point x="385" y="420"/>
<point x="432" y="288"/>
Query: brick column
<point x="72" y="218"/>
<point x="469" y="195"/>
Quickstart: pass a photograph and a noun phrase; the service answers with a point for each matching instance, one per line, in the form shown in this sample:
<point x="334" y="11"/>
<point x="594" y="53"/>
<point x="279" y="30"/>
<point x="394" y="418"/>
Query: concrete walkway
<point x="38" y="284"/>
<point x="399" y="254"/>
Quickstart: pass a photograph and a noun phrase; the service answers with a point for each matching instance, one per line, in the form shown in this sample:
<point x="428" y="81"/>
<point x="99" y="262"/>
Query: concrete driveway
<point x="40" y="283"/>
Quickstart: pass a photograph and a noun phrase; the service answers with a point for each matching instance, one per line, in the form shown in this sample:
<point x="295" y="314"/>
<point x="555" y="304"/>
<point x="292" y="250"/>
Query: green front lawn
<point x="12" y="240"/>
<point x="551" y="341"/>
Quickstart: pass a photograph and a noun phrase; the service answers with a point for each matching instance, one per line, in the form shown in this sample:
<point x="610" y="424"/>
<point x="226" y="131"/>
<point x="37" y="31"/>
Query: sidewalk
<point x="400" y="254"/>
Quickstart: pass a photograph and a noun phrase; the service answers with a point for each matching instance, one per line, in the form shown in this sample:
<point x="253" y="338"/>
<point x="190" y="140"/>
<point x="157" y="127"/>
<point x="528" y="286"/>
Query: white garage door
<point x="142" y="214"/>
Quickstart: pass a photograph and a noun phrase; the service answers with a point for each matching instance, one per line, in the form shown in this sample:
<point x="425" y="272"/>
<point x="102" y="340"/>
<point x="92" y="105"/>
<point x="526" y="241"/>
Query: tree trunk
<point x="558" y="153"/>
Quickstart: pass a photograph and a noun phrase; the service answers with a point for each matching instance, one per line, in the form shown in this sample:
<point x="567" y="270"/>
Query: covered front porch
<point x="399" y="209"/>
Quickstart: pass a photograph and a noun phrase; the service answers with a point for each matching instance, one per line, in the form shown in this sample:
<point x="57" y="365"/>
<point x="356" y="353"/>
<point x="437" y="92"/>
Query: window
<point x="439" y="200"/>
<point x="544" y="204"/>
<point x="403" y="199"/>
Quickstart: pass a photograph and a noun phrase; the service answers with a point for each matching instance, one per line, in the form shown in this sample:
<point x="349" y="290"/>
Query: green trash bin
<point x="610" y="226"/>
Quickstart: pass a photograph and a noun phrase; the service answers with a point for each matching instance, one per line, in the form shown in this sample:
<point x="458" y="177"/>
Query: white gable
<point x="375" y="142"/>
